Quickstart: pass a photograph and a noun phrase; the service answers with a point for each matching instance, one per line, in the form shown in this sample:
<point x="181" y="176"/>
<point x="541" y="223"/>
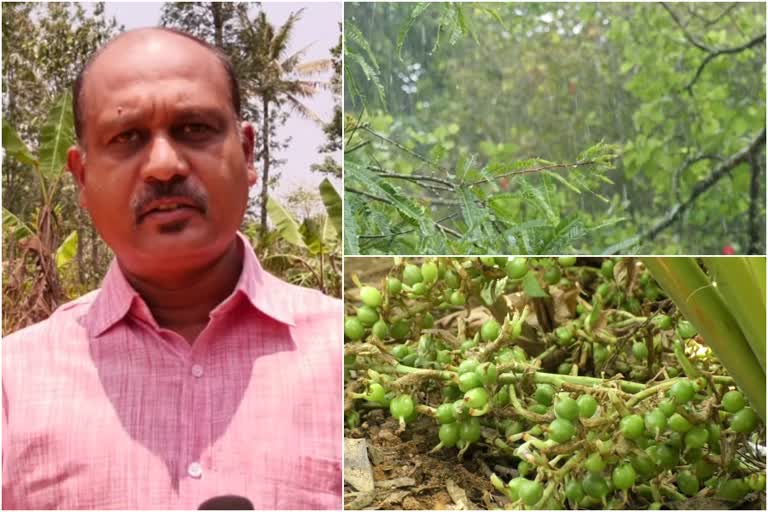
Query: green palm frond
<point x="279" y="41"/>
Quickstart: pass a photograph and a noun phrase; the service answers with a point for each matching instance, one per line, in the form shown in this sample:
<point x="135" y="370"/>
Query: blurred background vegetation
<point x="51" y="252"/>
<point x="675" y="92"/>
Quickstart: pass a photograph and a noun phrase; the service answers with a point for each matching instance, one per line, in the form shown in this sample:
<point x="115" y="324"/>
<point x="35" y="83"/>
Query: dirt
<point x="408" y="477"/>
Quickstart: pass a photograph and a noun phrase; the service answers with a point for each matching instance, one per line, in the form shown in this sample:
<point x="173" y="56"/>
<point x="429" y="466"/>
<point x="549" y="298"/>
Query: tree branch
<point x="702" y="186"/>
<point x="754" y="202"/>
<point x="683" y="167"/>
<point x="708" y="22"/>
<point x="695" y="42"/>
<point x="725" y="51"/>
<point x="712" y="53"/>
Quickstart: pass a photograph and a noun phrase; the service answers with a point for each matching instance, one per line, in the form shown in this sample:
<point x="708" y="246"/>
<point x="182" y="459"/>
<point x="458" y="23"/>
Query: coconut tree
<point x="276" y="79"/>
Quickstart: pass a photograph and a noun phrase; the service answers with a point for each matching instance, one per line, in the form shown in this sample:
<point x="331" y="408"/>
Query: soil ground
<point x="408" y="477"/>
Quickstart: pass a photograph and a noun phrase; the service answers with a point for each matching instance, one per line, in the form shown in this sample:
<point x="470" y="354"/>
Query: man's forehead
<point x="152" y="40"/>
<point x="153" y="55"/>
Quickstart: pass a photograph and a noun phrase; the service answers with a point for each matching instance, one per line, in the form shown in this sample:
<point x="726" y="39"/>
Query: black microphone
<point x="228" y="502"/>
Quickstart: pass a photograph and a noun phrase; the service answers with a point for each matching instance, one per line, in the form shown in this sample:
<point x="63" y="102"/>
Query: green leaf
<point x="562" y="180"/>
<point x="332" y="202"/>
<point x="369" y="72"/>
<point x="562" y="237"/>
<point x="352" y="32"/>
<point x="285" y="224"/>
<point x="465" y="30"/>
<point x="415" y="13"/>
<point x="535" y="197"/>
<point x="15" y="147"/>
<point x="66" y="250"/>
<point x="505" y="206"/>
<point x="495" y="14"/>
<point x="473" y="215"/>
<point x="532" y="287"/>
<point x="405" y="206"/>
<point x="56" y="137"/>
<point x="19" y="227"/>
<point x="313" y="234"/>
<point x="351" y="245"/>
<point x="623" y="246"/>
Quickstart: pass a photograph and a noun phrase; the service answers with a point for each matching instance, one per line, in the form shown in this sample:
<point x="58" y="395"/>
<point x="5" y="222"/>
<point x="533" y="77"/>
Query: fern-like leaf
<point x="417" y="11"/>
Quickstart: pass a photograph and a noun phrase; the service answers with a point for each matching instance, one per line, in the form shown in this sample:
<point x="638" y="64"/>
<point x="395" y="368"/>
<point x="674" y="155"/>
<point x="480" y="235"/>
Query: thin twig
<point x="712" y="52"/>
<point x="416" y="178"/>
<point x="726" y="51"/>
<point x="532" y="170"/>
<point x="403" y="148"/>
<point x="362" y="144"/>
<point x="444" y="229"/>
<point x="448" y="230"/>
<point x="407" y="231"/>
<point x="754" y="197"/>
<point x="368" y="195"/>
<point x="708" y="22"/>
<point x="357" y="125"/>
<point x="683" y="167"/>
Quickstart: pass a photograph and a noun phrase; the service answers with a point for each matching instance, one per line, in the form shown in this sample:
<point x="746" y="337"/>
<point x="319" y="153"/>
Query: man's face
<point x="164" y="168"/>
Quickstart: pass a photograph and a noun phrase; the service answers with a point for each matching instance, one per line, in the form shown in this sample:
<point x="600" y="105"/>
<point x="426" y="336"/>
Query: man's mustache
<point x="177" y="187"/>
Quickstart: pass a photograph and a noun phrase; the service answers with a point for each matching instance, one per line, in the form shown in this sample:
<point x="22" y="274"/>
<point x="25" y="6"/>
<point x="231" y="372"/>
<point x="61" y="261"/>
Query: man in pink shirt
<point x="192" y="373"/>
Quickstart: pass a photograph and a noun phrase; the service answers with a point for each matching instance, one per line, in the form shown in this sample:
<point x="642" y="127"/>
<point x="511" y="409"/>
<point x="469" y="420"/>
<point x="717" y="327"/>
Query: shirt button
<point x="197" y="370"/>
<point x="195" y="470"/>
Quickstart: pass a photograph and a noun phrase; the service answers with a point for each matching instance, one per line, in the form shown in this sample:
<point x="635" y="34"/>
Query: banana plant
<point x="318" y="236"/>
<point x="55" y="137"/>
<point x="38" y="237"/>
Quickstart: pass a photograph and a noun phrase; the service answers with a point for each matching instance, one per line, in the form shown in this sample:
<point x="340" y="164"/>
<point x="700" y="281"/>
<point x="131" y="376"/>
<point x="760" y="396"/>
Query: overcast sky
<point x="319" y="26"/>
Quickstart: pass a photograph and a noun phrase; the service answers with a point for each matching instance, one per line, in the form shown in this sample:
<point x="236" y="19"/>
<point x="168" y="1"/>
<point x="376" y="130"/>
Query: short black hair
<point x="77" y="87"/>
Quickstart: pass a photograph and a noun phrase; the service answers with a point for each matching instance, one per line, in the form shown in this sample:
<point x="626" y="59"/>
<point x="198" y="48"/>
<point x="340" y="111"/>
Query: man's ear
<point x="76" y="166"/>
<point x="248" y="139"/>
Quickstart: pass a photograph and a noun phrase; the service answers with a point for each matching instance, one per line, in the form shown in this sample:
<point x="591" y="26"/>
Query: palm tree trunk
<point x="265" y="172"/>
<point x="217" y="24"/>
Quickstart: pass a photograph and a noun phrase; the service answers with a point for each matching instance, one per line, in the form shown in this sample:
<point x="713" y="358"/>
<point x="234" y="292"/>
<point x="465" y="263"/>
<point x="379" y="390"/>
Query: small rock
<point x="357" y="468"/>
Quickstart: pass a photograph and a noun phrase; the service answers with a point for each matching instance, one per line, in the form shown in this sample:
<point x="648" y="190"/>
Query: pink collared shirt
<point x="102" y="409"/>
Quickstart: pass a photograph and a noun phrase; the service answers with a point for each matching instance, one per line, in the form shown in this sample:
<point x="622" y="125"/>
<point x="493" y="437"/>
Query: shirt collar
<point x="264" y="291"/>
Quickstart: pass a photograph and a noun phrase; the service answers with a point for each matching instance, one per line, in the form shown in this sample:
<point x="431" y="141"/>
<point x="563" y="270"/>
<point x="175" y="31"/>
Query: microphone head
<point x="228" y="502"/>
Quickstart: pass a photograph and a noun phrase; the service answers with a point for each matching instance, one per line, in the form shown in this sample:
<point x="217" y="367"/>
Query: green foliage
<point x="469" y="210"/>
<point x="35" y="289"/>
<point x="15" y="147"/>
<point x="285" y="224"/>
<point x="675" y="91"/>
<point x="44" y="47"/>
<point x="56" y="136"/>
<point x="332" y="202"/>
<point x="315" y="243"/>
<point x="66" y="251"/>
